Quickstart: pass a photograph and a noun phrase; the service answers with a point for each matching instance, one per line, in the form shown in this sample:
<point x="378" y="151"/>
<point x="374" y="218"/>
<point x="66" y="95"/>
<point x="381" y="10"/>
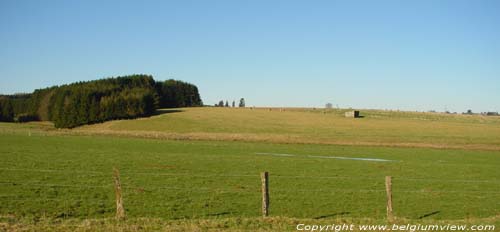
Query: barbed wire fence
<point x="119" y="186"/>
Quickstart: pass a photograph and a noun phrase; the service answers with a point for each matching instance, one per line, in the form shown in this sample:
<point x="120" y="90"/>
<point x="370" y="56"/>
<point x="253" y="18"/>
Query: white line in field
<point x="350" y="158"/>
<point x="328" y="157"/>
<point x="275" y="154"/>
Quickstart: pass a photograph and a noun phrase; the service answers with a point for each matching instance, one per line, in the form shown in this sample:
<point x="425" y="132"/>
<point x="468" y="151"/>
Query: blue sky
<point x="410" y="55"/>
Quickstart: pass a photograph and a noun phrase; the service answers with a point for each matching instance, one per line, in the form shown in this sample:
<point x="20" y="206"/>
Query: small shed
<point x="352" y="114"/>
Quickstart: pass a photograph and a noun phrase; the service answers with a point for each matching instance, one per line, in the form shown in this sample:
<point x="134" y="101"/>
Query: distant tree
<point x="234" y="104"/>
<point x="328" y="105"/>
<point x="227" y="104"/>
<point x="89" y="102"/>
<point x="221" y="103"/>
<point x="6" y="110"/>
<point x="174" y="93"/>
<point x="242" y="102"/>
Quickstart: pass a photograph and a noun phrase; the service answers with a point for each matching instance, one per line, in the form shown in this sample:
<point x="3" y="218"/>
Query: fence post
<point x="388" y="189"/>
<point x="120" y="211"/>
<point x="264" y="177"/>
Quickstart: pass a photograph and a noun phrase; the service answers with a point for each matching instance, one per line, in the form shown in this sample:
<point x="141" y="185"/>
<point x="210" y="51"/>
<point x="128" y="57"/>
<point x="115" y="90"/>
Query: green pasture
<point x="54" y="176"/>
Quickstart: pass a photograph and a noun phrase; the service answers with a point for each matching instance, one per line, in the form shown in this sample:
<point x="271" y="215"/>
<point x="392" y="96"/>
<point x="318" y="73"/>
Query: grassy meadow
<point x="387" y="128"/>
<point x="202" y="165"/>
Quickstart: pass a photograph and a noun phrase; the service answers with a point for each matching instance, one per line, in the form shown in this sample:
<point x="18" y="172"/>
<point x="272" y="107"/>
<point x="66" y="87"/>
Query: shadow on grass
<point x="332" y="215"/>
<point x="429" y="214"/>
<point x="165" y="111"/>
<point x="218" y="214"/>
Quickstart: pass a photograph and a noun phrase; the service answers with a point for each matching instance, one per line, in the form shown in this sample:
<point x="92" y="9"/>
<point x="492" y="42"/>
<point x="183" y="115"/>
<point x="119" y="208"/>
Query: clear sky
<point x="410" y="55"/>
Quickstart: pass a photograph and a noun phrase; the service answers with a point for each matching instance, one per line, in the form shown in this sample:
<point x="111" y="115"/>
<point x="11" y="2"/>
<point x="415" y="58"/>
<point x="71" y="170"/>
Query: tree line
<point x="221" y="103"/>
<point x="96" y="101"/>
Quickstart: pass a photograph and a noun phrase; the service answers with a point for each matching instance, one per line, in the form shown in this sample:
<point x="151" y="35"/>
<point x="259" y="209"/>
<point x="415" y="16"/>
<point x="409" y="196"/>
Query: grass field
<point x="387" y="128"/>
<point x="67" y="174"/>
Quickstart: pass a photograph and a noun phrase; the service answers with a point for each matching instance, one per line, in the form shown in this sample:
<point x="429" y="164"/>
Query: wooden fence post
<point x="388" y="189"/>
<point x="264" y="177"/>
<point x="120" y="211"/>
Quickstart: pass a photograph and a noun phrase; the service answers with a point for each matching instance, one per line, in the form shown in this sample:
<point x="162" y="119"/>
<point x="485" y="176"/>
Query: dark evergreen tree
<point x="100" y="100"/>
<point x="242" y="102"/>
<point x="6" y="110"/>
<point x="173" y="93"/>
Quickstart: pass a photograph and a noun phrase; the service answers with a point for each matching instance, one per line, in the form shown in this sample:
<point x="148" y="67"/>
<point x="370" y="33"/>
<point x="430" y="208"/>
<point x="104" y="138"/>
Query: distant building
<point x="352" y="114"/>
<point x="491" y="113"/>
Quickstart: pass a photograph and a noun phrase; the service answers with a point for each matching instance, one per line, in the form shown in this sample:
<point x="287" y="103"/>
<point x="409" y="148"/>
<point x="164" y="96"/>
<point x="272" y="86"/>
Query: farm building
<point x="352" y="114"/>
